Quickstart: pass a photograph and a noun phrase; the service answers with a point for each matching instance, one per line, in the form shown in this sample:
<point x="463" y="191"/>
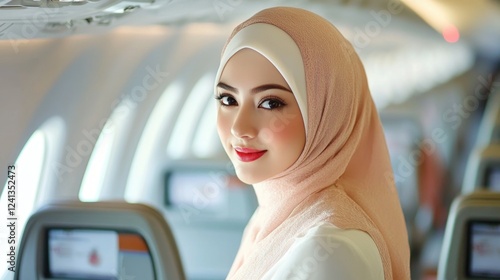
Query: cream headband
<point x="280" y="49"/>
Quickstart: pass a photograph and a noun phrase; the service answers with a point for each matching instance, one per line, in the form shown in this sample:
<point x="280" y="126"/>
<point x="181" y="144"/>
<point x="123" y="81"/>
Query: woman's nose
<point x="244" y="125"/>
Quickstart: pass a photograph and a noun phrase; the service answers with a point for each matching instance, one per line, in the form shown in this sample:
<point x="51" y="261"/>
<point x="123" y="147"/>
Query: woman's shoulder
<point x="325" y="251"/>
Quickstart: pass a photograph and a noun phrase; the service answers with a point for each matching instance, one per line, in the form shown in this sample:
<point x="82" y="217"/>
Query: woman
<point x="296" y="118"/>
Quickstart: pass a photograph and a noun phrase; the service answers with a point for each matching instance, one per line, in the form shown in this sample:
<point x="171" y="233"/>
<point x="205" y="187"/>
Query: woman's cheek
<point x="223" y="127"/>
<point x="284" y="129"/>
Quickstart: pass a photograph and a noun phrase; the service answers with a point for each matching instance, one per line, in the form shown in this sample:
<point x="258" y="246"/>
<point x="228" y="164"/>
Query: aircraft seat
<point x="489" y="128"/>
<point x="403" y="134"/>
<point x="208" y="208"/>
<point x="98" y="240"/>
<point x="471" y="248"/>
<point x="483" y="169"/>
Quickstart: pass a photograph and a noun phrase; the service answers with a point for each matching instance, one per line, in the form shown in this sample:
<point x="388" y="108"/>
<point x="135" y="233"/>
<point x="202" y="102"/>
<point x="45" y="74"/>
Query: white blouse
<point x="328" y="252"/>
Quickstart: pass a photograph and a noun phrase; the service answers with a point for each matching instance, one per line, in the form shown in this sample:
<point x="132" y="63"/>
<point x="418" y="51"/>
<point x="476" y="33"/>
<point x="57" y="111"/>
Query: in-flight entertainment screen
<point x="483" y="249"/>
<point x="97" y="254"/>
<point x="493" y="178"/>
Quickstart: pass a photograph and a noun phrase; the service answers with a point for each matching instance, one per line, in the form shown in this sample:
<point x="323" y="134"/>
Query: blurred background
<point x="112" y="100"/>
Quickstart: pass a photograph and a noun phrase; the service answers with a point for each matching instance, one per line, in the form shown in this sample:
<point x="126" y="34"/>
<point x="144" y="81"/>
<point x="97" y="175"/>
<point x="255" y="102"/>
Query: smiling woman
<point x="251" y="117"/>
<point x="297" y="120"/>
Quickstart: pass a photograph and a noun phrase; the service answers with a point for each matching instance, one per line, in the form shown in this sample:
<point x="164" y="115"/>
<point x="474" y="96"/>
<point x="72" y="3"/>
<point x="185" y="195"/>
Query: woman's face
<point x="258" y="120"/>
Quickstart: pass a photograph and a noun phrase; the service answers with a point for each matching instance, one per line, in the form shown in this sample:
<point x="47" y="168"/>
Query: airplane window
<point x="206" y="140"/>
<point x="182" y="134"/>
<point x="93" y="179"/>
<point x="28" y="172"/>
<point x="483" y="250"/>
<point x="163" y="112"/>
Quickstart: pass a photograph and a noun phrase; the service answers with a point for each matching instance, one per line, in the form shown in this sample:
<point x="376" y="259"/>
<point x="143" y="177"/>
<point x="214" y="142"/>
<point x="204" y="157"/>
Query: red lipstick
<point x="248" y="154"/>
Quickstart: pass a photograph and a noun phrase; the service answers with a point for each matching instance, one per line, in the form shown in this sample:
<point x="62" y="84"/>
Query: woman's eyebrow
<point x="256" y="89"/>
<point x="270" y="86"/>
<point x="226" y="87"/>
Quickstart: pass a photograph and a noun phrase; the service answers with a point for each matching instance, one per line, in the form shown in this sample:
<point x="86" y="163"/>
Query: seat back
<point x="208" y="208"/>
<point x="98" y="240"/>
<point x="489" y="129"/>
<point x="403" y="134"/>
<point x="471" y="247"/>
<point x="483" y="169"/>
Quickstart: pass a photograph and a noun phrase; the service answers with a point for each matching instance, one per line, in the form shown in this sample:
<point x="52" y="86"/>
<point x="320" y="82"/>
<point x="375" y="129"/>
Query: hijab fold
<point x="343" y="176"/>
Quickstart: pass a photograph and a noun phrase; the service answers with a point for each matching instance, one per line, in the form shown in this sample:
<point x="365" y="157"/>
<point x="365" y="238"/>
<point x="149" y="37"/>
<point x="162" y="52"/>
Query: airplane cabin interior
<point x="110" y="153"/>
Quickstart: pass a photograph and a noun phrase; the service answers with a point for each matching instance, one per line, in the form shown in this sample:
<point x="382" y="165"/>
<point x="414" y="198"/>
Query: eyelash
<point x="270" y="98"/>
<point x="221" y="96"/>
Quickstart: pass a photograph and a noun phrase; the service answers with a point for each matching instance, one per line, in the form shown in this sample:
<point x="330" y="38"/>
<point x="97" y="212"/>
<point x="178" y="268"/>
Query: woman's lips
<point x="248" y="154"/>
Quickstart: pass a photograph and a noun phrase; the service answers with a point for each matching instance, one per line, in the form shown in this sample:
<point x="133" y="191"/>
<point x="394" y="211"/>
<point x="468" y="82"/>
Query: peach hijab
<point x="344" y="175"/>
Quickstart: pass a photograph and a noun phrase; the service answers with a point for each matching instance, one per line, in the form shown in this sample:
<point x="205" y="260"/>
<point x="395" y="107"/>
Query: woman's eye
<point x="271" y="104"/>
<point x="227" y="100"/>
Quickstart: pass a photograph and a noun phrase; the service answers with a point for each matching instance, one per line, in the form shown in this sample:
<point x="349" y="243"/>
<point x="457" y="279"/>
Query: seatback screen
<point x="493" y="178"/>
<point x="484" y="250"/>
<point x="97" y="254"/>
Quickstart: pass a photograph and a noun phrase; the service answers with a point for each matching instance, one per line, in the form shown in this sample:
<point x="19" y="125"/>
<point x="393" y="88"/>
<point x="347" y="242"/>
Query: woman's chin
<point x="248" y="177"/>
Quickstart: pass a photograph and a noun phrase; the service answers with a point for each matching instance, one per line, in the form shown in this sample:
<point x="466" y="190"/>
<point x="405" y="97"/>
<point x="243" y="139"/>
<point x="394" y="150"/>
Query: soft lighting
<point x="27" y="174"/>
<point x="163" y="112"/>
<point x="451" y="34"/>
<point x="206" y="141"/>
<point x="180" y="141"/>
<point x="97" y="166"/>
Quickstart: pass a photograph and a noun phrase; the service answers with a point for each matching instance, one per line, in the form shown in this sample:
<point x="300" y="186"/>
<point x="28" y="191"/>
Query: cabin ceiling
<point x="478" y="22"/>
